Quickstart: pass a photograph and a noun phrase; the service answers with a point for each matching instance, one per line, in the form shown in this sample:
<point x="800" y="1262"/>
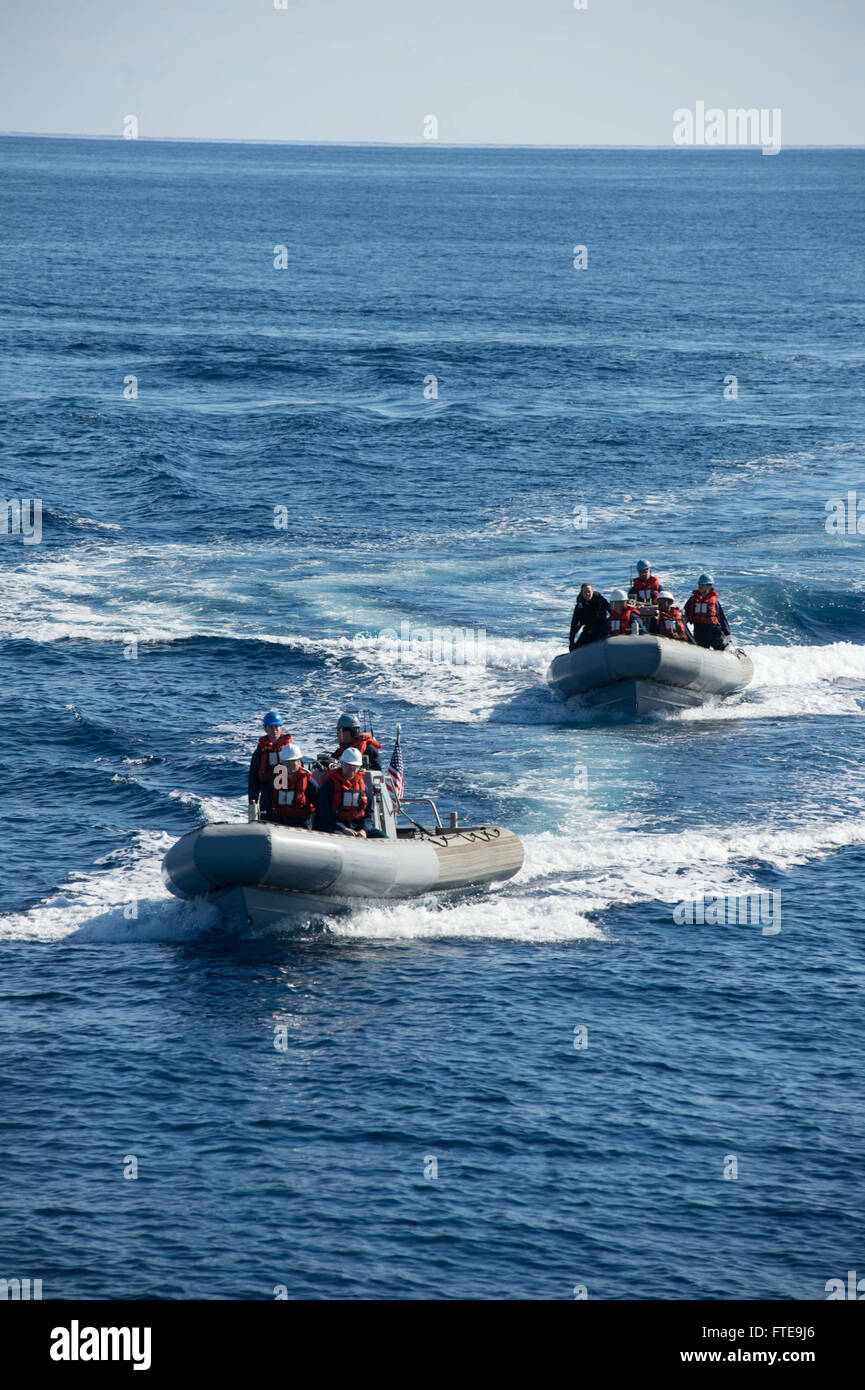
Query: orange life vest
<point x="349" y="800"/>
<point x="704" y="608"/>
<point x="646" y="590"/>
<point x="292" y="803"/>
<point x="619" y="624"/>
<point x="671" y="624"/>
<point x="361" y="743"/>
<point x="269" y="756"/>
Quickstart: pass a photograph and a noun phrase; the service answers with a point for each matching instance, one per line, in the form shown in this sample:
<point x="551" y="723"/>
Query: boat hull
<point x="270" y="871"/>
<point x="644" y="674"/>
<point x="269" y="907"/>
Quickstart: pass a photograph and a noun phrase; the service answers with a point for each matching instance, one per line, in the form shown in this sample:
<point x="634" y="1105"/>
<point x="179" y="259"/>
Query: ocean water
<point x="432" y="1126"/>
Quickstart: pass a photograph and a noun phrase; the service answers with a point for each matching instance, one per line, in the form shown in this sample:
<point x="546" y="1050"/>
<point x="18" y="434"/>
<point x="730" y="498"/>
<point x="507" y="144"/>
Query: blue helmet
<point x="643" y="565"/>
<point x="272" y="717"/>
<point x="705" y="579"/>
<point x="348" y="721"/>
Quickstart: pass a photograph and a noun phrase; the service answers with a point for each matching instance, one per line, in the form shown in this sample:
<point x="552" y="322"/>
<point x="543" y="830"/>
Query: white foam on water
<point x="788" y="681"/>
<point x="76" y="596"/>
<point x="457" y="683"/>
<point x="491" y="916"/>
<point x="110" y="595"/>
<point x="212" y="808"/>
<point x="124" y="899"/>
<point x="795" y="681"/>
<point x="87" y="523"/>
<point x="612" y="865"/>
<point x="774" y="666"/>
<point x="565" y="878"/>
<point x="142" y="592"/>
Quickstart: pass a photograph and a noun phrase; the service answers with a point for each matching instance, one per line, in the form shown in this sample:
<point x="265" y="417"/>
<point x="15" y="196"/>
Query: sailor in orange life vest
<point x="343" y="801"/>
<point x="703" y="610"/>
<point x="350" y="735"/>
<point x="263" y="764"/>
<point x="293" y="795"/>
<point x="624" y="618"/>
<point x="646" y="587"/>
<point x="669" y="622"/>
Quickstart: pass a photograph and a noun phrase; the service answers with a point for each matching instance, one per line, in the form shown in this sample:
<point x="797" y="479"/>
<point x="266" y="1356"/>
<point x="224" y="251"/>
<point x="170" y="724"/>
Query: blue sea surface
<point x="249" y="477"/>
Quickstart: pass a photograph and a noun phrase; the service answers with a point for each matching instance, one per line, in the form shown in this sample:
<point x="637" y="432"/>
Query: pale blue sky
<point x="491" y="71"/>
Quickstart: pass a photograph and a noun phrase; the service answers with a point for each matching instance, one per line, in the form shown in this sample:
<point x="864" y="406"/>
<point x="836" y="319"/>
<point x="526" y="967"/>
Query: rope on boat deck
<point x="485" y="835"/>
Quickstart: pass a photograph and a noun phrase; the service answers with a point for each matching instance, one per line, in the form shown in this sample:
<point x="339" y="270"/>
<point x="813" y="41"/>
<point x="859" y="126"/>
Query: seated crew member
<point x="293" y="794"/>
<point x="350" y="735"/>
<point x="264" y="762"/>
<point x="704" y="612"/>
<point x="646" y="587"/>
<point x="342" y="797"/>
<point x="590" y="614"/>
<point x="624" y="618"/>
<point x="669" y="622"/>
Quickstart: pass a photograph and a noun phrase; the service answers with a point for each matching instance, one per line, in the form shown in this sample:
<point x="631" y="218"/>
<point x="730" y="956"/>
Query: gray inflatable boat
<point x="644" y="674"/>
<point x="267" y="872"/>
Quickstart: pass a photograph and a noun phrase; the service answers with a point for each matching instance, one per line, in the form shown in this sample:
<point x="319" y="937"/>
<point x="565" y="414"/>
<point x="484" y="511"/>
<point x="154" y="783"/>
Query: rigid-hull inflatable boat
<point x="266" y="871"/>
<point x="644" y="674"/>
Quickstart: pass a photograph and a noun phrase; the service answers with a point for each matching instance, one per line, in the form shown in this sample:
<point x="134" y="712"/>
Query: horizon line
<point x="385" y="144"/>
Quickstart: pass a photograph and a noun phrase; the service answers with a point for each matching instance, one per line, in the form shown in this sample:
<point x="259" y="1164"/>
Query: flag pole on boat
<point x="394" y="777"/>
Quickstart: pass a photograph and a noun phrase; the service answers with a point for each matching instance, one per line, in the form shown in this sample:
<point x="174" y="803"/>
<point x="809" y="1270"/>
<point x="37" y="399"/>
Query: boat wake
<point x="561" y="894"/>
<point x="793" y="681"/>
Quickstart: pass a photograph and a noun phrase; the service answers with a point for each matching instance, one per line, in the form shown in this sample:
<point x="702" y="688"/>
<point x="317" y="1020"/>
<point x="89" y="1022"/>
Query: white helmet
<point x="618" y="596"/>
<point x="665" y="593"/>
<point x="351" y="758"/>
<point x="290" y="753"/>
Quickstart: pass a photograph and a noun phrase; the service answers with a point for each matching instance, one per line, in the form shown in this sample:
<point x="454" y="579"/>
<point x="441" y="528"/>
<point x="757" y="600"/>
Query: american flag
<point x="393" y="777"/>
